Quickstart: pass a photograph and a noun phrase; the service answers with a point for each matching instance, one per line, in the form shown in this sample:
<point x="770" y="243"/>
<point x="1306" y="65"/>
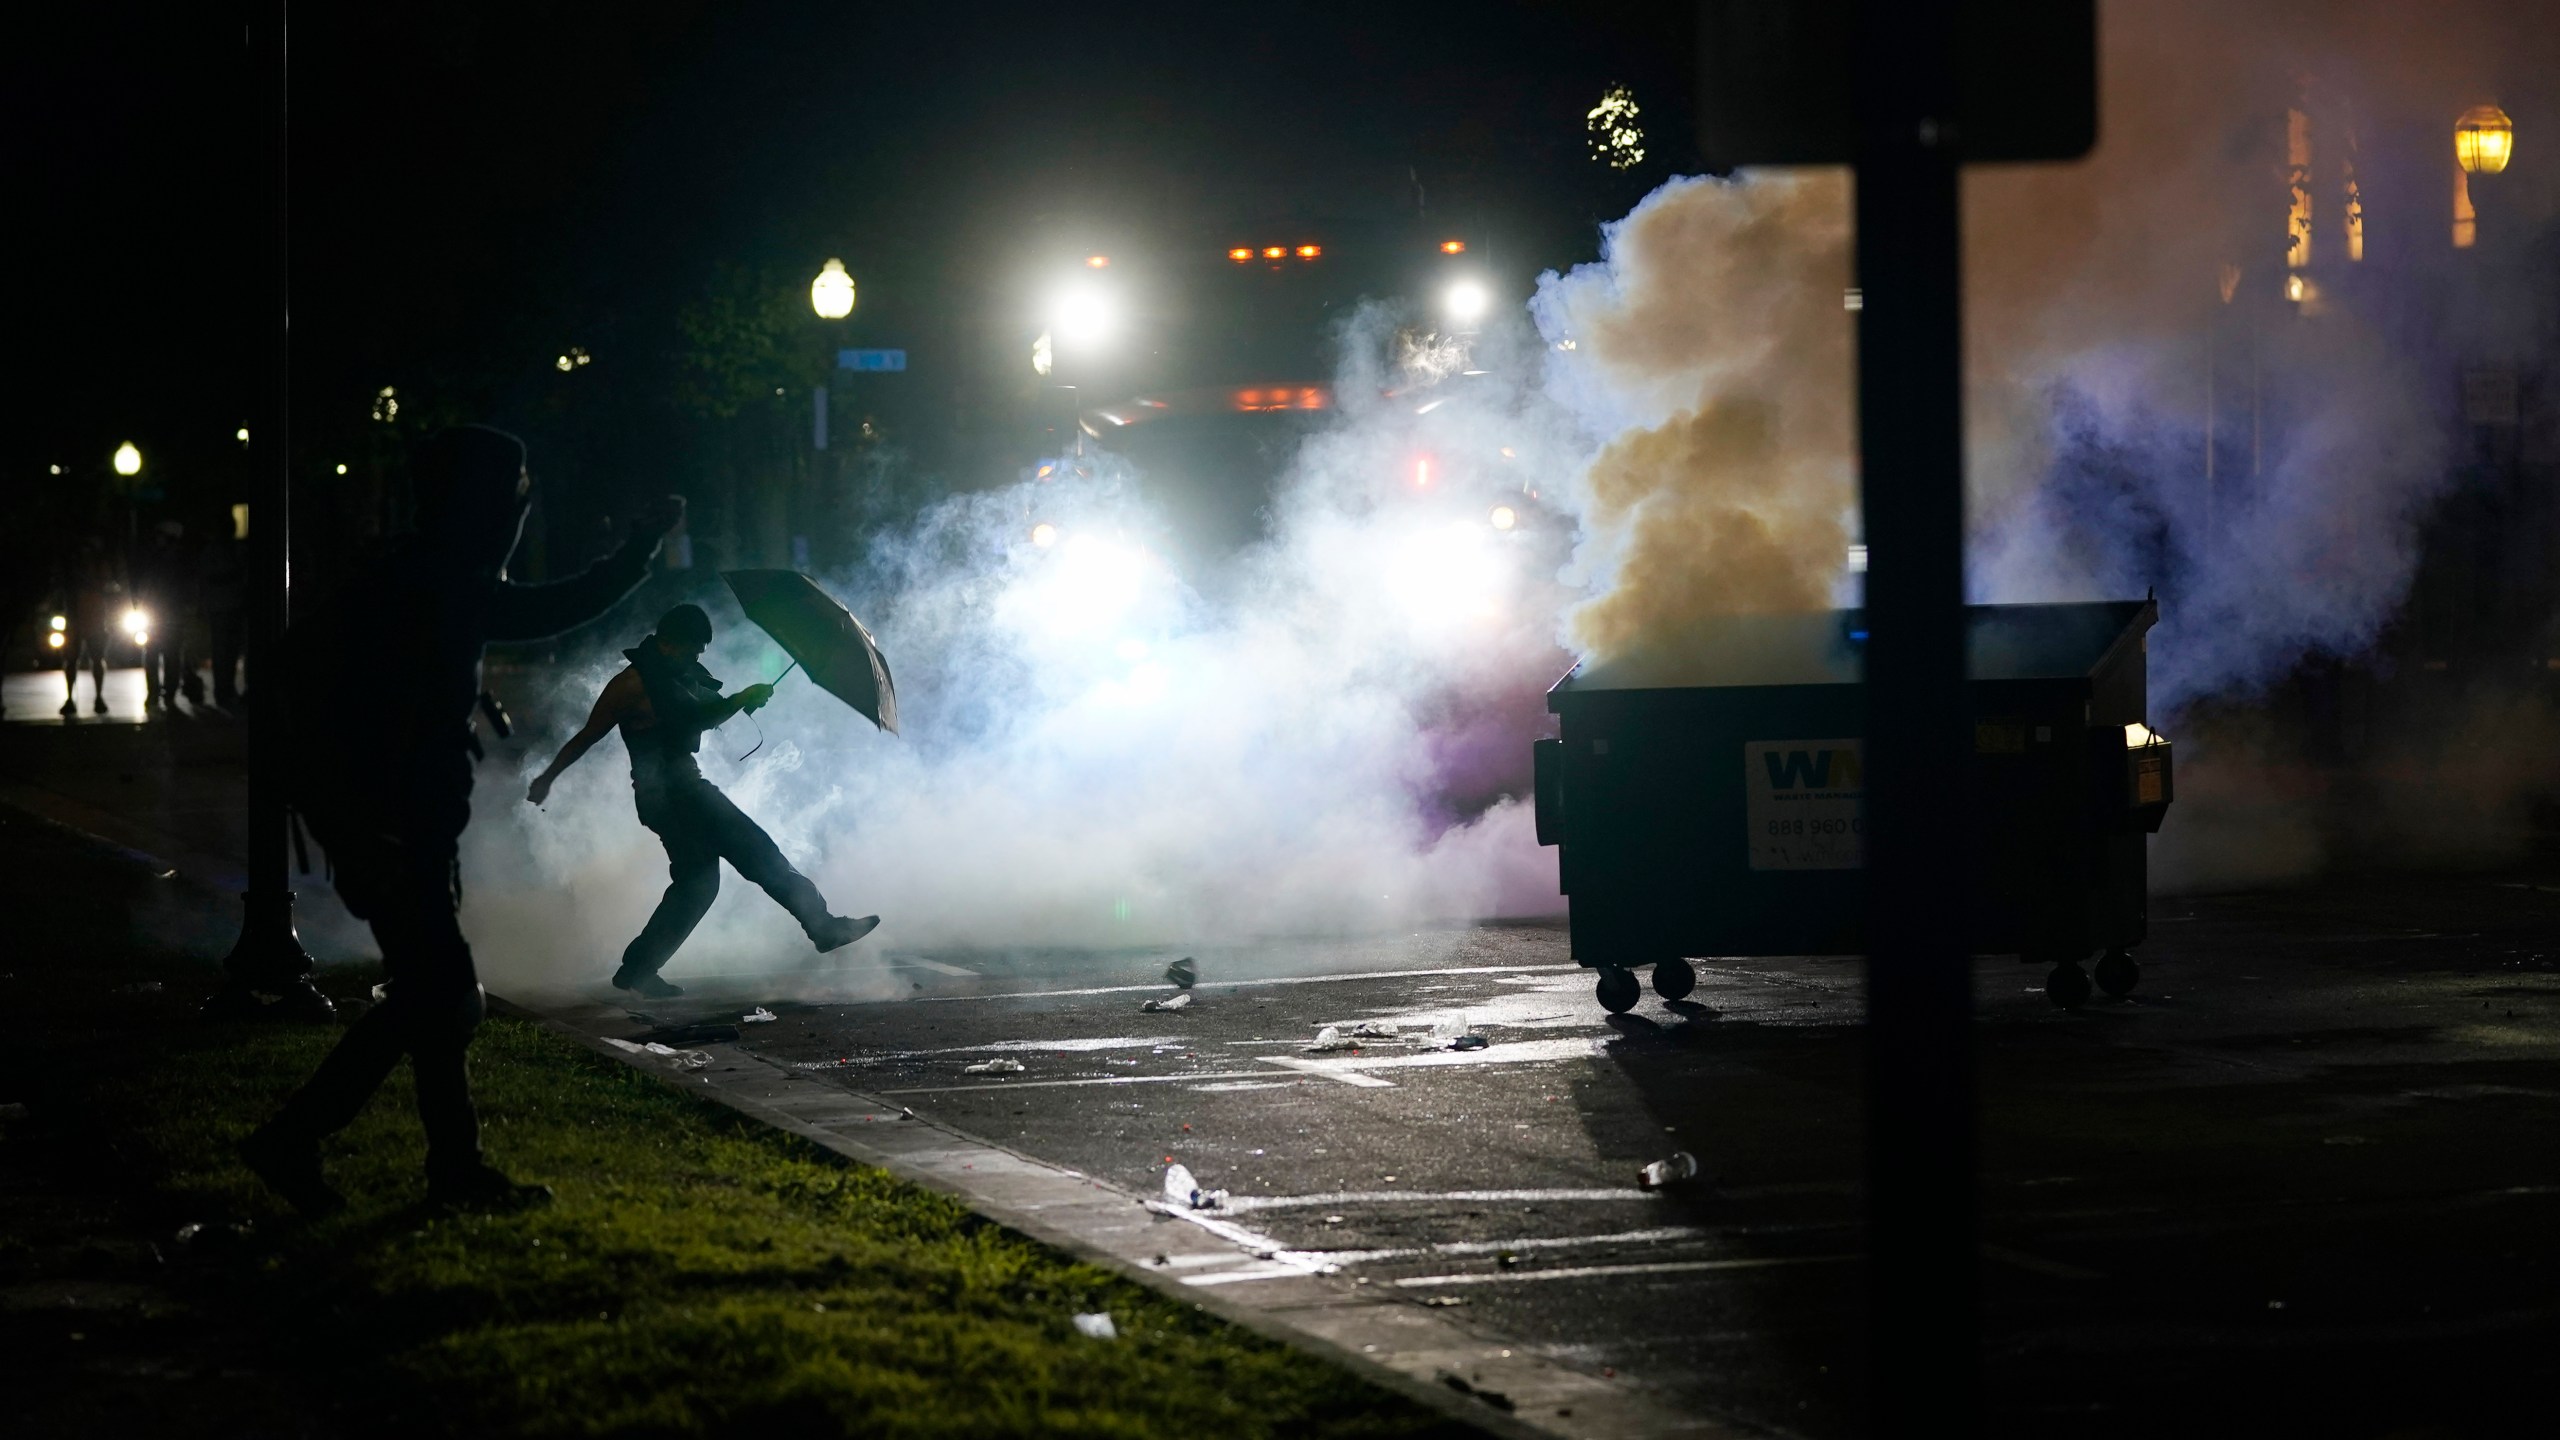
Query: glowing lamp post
<point x="128" y="459"/>
<point x="831" y="294"/>
<point x="2483" y="139"/>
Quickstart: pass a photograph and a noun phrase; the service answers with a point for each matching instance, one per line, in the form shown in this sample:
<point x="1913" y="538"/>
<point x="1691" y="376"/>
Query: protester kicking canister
<point x="662" y="702"/>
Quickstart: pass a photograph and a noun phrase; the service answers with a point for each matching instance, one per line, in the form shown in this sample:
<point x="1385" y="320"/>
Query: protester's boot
<point x="99" y="705"/>
<point x="842" y="930"/>
<point x="483" y="1188"/>
<point x="646" y="983"/>
<point x="291" y="1167"/>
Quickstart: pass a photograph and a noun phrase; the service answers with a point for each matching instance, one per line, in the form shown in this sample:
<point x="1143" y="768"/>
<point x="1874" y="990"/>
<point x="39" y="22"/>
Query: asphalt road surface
<point x="2305" y="1179"/>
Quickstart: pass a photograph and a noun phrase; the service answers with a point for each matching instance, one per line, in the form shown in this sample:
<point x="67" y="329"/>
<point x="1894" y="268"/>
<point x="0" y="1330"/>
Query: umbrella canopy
<point x="823" y="636"/>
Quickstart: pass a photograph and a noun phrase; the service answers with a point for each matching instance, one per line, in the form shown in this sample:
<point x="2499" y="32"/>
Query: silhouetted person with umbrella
<point x="382" y="682"/>
<point x="662" y="702"/>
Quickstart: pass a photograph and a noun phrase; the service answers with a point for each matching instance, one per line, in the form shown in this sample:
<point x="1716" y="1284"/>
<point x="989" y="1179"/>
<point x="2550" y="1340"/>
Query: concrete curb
<point x="1476" y="1378"/>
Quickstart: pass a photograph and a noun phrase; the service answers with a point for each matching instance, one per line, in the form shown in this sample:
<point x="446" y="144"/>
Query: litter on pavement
<point x="1169" y="1002"/>
<point x="681" y="1059"/>
<point x="1469" y="1042"/>
<point x="1181" y="1189"/>
<point x="1097" y="1327"/>
<point x="1331" y="1038"/>
<point x="1679" y="1168"/>
<point x="994" y="1067"/>
<point x="758" y="1016"/>
<point x="1184" y="972"/>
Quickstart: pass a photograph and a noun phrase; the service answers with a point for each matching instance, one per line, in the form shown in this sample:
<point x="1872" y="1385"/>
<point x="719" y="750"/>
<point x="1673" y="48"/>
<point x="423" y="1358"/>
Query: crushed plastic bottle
<point x="1183" y="1190"/>
<point x="1097" y="1327"/>
<point x="1679" y="1168"/>
<point x="994" y="1067"/>
<point x="1331" y="1038"/>
<point x="1184" y="972"/>
<point x="1169" y="1002"/>
<point x="758" y="1016"/>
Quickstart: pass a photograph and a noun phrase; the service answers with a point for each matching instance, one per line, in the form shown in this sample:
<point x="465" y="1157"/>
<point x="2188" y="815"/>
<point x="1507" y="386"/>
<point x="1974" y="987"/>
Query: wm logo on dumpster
<point x="1828" y="769"/>
<point x="1804" y="804"/>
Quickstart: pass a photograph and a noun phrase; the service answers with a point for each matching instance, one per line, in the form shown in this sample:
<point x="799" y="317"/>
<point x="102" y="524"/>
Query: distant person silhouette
<point x="164" y="585"/>
<point x="381" y="681"/>
<point x="93" y="591"/>
<point x="662" y="702"/>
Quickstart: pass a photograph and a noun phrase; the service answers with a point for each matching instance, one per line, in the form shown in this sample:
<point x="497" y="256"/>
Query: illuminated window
<point x="1309" y="252"/>
<point x="1275" y="252"/>
<point x="1241" y="252"/>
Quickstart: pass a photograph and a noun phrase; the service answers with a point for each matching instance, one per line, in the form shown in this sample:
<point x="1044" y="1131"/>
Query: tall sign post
<point x="1908" y="91"/>
<point x="268" y="960"/>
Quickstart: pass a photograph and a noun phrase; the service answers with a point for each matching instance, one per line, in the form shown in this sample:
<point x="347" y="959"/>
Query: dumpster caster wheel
<point x="2117" y="974"/>
<point x="2067" y="985"/>
<point x="1673" y="979"/>
<point x="1618" y="989"/>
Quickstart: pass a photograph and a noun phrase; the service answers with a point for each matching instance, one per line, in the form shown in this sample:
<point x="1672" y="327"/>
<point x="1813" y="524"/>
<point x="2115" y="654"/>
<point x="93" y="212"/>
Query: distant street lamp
<point x="128" y="459"/>
<point x="2483" y="139"/>
<point x="831" y="294"/>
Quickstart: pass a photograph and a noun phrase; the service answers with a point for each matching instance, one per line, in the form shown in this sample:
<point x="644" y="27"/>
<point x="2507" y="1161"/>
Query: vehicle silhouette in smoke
<point x="1204" y="363"/>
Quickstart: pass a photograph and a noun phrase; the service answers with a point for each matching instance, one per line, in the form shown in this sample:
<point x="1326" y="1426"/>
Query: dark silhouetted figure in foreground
<point x="663" y="701"/>
<point x="382" y="682"/>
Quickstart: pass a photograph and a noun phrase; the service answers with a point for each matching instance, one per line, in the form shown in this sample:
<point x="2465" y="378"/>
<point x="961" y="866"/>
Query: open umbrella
<point x="821" y="637"/>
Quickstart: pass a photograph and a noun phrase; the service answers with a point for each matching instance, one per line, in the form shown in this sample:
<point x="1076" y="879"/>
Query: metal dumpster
<point x="1712" y="804"/>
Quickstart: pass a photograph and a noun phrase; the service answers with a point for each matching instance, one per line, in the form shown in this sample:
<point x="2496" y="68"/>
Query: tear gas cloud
<point x="1098" y="753"/>
<point x="1101" y="753"/>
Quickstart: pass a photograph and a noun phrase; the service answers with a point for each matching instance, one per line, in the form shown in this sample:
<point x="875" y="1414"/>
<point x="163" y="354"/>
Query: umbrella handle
<point x="752" y="749"/>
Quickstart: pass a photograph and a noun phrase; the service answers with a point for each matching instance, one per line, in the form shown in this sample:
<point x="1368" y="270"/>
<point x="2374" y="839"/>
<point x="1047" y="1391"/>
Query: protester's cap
<point x="686" y="625"/>
<point x="466" y="470"/>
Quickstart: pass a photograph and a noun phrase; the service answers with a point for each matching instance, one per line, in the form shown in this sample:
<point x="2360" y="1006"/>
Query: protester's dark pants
<point x="701" y="828"/>
<point x="433" y="1003"/>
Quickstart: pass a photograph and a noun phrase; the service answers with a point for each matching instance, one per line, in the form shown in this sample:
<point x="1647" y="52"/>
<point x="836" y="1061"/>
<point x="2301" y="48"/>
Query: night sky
<point x="476" y="187"/>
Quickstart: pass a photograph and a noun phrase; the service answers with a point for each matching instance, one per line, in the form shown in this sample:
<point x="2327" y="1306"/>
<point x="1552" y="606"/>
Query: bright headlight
<point x="54" y="640"/>
<point x="1466" y="302"/>
<point x="136" y="623"/>
<point x="1086" y="316"/>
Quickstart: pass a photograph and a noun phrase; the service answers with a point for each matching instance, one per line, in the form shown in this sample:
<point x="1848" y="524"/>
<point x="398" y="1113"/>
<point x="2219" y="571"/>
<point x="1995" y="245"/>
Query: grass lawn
<point x="698" y="1274"/>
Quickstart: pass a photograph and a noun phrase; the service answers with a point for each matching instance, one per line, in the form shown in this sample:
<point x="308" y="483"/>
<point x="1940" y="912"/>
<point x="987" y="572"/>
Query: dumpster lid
<point x="2003" y="642"/>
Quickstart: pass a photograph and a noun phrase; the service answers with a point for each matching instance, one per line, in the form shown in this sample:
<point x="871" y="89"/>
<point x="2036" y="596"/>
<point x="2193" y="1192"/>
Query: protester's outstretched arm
<point x="608" y="712"/>
<point x="530" y="612"/>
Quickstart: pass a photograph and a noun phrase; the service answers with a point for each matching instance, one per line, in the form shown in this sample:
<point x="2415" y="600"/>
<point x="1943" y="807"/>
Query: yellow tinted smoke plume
<point x="1719" y="318"/>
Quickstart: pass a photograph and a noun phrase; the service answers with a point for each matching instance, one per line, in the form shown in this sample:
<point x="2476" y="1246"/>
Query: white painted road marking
<point x="1593" y="1272"/>
<point x="1094" y="1080"/>
<point x="1240" y="1203"/>
<point x="1158" y="986"/>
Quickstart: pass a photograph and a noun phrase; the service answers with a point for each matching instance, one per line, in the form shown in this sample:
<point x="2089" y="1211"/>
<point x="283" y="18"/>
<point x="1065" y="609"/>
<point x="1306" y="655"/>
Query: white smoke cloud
<point x="1098" y="754"/>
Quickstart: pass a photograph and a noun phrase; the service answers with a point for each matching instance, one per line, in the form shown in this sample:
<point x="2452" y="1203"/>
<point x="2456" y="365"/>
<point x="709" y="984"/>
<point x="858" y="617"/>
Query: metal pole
<point x="1920" y="1106"/>
<point x="269" y="959"/>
